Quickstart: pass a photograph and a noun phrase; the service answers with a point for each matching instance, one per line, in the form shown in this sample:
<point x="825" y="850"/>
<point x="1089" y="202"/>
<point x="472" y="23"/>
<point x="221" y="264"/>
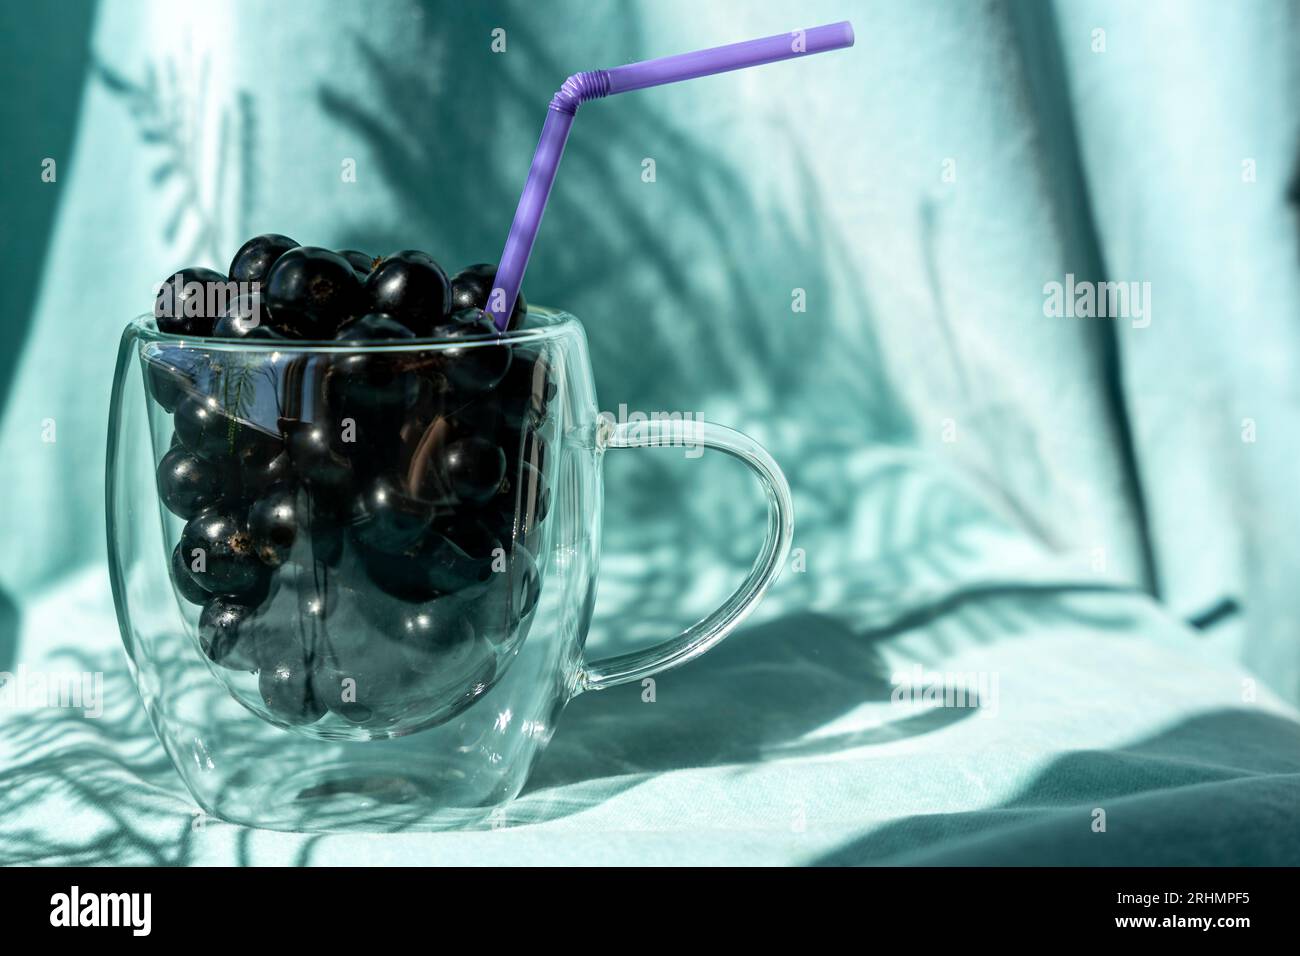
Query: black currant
<point x="368" y="382"/>
<point x="386" y="518"/>
<point x="275" y="521"/>
<point x="187" y="484"/>
<point x="227" y="633"/>
<point x="440" y="623"/>
<point x="477" y="365"/>
<point x="253" y="261"/>
<point x="185" y="584"/>
<point x="247" y="317"/>
<point x="218" y="552"/>
<point x="360" y="261"/>
<point x="314" y="455"/>
<point x="527" y="388"/>
<point x="511" y="595"/>
<point x="472" y="287"/>
<point x="257" y="475"/>
<point x="466" y="470"/>
<point x="362" y="680"/>
<point x="404" y="576"/>
<point x="311" y="292"/>
<point x="459" y="554"/>
<point x="189" y="302"/>
<point x="411" y="287"/>
<point x="339" y="687"/>
<point x="374" y="327"/>
<point x="438" y="638"/>
<point x="284" y="677"/>
<point x="166" y="383"/>
<point x="209" y="431"/>
<point x="203" y="426"/>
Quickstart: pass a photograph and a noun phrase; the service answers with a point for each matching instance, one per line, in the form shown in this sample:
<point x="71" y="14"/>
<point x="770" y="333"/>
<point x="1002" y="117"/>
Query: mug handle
<point x="695" y="640"/>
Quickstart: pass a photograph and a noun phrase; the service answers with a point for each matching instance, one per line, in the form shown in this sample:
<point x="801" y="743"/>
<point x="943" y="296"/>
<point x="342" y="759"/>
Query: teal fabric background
<point x="979" y="486"/>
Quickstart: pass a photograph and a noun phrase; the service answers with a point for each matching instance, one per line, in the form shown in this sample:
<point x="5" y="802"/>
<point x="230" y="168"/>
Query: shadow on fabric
<point x="762" y="694"/>
<point x="10" y="620"/>
<point x="759" y="692"/>
<point x="1219" y="789"/>
<point x="43" y="59"/>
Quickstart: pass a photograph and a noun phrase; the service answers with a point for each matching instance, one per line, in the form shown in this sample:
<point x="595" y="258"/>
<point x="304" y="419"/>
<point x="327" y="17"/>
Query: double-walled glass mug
<point x="354" y="583"/>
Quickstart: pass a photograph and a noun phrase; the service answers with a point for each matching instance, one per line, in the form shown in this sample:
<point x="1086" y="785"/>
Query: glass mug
<point x="355" y="583"/>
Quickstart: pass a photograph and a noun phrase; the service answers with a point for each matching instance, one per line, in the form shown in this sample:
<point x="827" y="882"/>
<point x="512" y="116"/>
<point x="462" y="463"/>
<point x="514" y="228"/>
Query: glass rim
<point x="557" y="323"/>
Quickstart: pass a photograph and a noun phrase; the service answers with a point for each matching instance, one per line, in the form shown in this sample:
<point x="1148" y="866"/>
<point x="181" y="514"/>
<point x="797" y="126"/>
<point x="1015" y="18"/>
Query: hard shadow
<point x="685" y="301"/>
<point x="771" y="691"/>
<point x="765" y="692"/>
<point x="761" y="691"/>
<point x="43" y="59"/>
<point x="610" y="246"/>
<point x="112" y="770"/>
<point x="10" y="621"/>
<point x="1035" y="34"/>
<point x="1293" y="196"/>
<point x="1219" y="789"/>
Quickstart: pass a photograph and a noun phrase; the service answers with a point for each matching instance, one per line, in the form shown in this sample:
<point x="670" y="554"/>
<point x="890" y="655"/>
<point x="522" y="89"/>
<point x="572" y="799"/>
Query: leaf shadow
<point x="684" y="284"/>
<point x="111" y="772"/>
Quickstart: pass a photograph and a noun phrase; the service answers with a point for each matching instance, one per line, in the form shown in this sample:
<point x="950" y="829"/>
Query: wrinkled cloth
<point x="845" y="257"/>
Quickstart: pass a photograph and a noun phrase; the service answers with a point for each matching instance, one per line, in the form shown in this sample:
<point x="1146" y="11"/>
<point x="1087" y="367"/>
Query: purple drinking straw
<point x="594" y="84"/>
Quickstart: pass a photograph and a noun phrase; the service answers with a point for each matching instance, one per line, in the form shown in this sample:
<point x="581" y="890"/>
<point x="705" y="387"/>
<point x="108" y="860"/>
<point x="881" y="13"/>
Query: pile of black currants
<point x="362" y="524"/>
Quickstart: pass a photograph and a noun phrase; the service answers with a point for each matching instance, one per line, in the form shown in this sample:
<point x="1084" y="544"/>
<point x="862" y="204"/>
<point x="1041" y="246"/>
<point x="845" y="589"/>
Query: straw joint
<point x="578" y="89"/>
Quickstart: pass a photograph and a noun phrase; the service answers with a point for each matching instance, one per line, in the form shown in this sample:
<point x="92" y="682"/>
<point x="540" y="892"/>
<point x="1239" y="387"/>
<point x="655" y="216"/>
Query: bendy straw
<point x="595" y="84"/>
